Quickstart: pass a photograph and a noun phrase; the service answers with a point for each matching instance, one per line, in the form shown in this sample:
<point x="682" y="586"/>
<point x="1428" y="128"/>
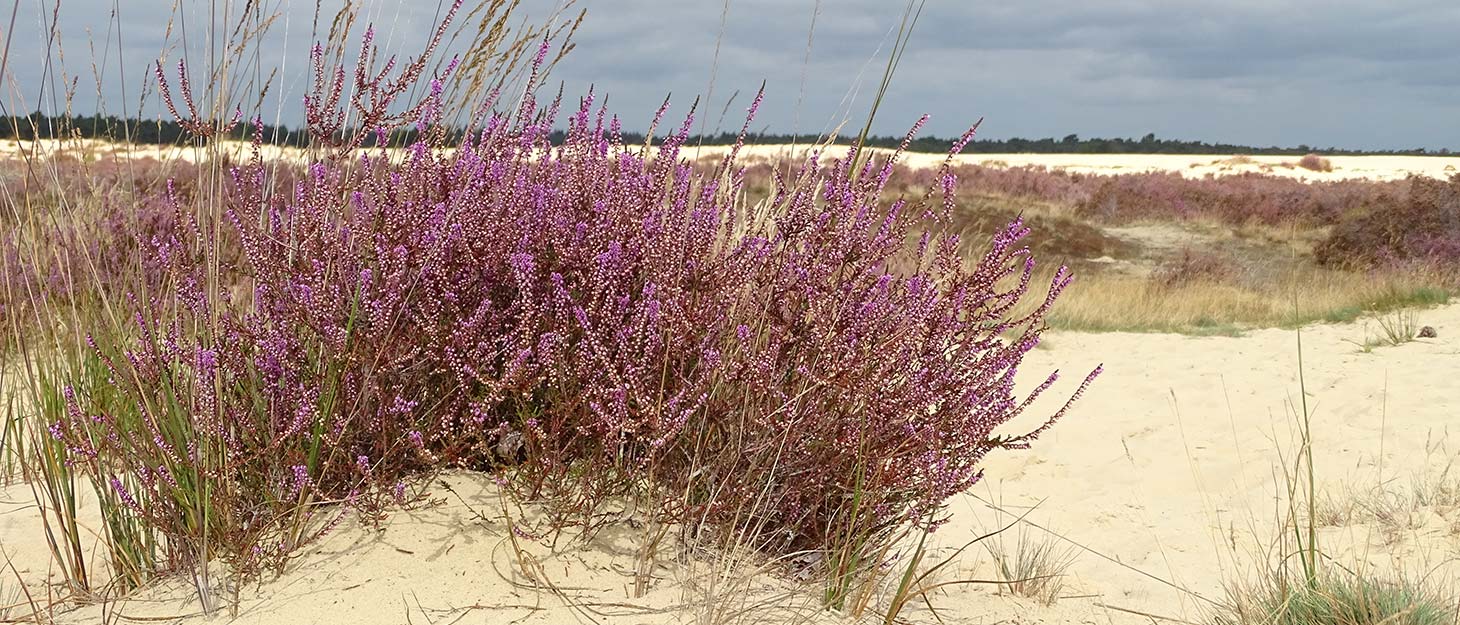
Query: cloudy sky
<point x="1345" y="73"/>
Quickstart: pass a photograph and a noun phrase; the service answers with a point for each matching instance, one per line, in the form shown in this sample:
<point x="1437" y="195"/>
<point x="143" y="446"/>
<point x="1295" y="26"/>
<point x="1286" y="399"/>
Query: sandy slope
<point x="1164" y="477"/>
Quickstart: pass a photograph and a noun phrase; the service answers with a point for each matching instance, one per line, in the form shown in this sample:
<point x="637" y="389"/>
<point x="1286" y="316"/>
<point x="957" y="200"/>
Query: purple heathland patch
<point x="822" y="365"/>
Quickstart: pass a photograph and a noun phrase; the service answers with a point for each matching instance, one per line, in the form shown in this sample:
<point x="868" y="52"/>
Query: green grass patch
<point x="1204" y="327"/>
<point x="1339" y="599"/>
<point x="1421" y="297"/>
<point x="1229" y="313"/>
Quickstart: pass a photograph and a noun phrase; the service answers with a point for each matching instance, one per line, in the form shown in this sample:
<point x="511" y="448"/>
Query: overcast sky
<point x="1353" y="74"/>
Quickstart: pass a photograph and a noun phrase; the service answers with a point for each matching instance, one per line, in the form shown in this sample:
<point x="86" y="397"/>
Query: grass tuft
<point x="1033" y="567"/>
<point x="1338" y="598"/>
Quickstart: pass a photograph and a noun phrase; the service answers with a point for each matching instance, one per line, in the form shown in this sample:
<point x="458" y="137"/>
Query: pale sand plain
<point x="1189" y="165"/>
<point x="1164" y="484"/>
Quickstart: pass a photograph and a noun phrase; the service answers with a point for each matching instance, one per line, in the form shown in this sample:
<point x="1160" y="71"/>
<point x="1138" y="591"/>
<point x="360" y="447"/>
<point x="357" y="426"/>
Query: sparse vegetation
<point x="1399" y="327"/>
<point x="1033" y="566"/>
<point x="1338" y="598"/>
<point x="1395" y="329"/>
<point x="1197" y="267"/>
<point x="1396" y="506"/>
<point x="1300" y="584"/>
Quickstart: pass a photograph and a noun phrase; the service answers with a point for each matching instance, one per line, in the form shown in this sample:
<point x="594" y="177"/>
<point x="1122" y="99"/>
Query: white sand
<point x="1190" y="165"/>
<point x="1174" y="454"/>
<point x="1165" y="472"/>
<point x="93" y="149"/>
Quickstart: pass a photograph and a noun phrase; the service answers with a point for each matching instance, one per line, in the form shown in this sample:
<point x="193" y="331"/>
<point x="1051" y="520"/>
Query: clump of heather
<point x="1314" y="162"/>
<point x="78" y="233"/>
<point x="1234" y="199"/>
<point x="1422" y="227"/>
<point x="595" y="321"/>
<point x="1026" y="181"/>
<point x="1237" y="199"/>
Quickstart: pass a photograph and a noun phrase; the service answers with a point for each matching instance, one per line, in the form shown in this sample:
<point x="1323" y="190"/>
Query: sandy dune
<point x="1166" y="479"/>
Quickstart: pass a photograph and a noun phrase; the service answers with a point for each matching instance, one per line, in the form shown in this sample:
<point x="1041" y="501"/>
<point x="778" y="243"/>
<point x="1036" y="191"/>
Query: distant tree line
<point x="157" y="132"/>
<point x="1070" y="144"/>
<point x="167" y="132"/>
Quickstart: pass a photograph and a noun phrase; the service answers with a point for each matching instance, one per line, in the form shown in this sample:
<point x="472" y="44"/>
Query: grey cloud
<point x="1348" y="72"/>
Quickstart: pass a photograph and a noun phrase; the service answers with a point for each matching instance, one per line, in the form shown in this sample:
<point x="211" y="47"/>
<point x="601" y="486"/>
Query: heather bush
<point x="179" y="486"/>
<point x="1237" y="199"/>
<point x="988" y="200"/>
<point x="1234" y="199"/>
<point x="1314" y="162"/>
<point x="1421" y="227"/>
<point x="1027" y="181"/>
<point x="80" y="233"/>
<point x="818" y="371"/>
<point x="1051" y="236"/>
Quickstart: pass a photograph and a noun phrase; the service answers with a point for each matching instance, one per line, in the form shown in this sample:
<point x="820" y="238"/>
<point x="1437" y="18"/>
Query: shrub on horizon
<point x="1314" y="162"/>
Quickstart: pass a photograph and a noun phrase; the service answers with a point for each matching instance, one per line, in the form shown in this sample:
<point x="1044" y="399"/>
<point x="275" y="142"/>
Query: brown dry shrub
<point x="1197" y="266"/>
<point x="1314" y="162"/>
<point x="1051" y="236"/>
<point x="1423" y="226"/>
